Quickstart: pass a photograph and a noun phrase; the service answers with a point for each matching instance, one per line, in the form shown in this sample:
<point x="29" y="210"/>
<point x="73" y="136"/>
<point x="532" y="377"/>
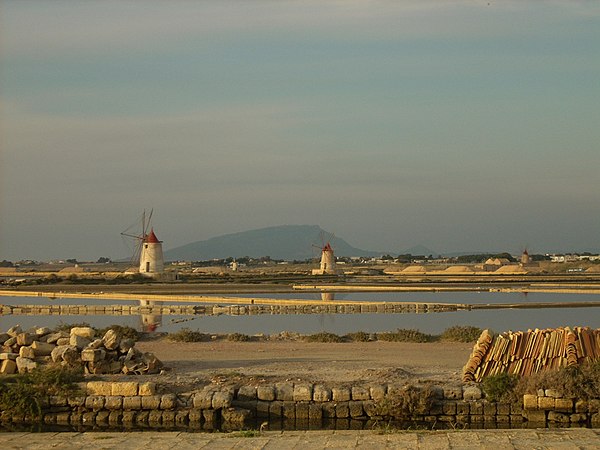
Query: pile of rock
<point x="22" y="351"/>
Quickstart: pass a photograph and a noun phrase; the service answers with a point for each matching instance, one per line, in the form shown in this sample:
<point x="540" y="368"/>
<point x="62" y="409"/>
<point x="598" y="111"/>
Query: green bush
<point x="500" y="387"/>
<point x="359" y="336"/>
<point x="403" y="335"/>
<point x="123" y="331"/>
<point x="187" y="335"/>
<point x="575" y="382"/>
<point x="323" y="337"/>
<point x="460" y="333"/>
<point x="238" y="337"/>
<point x="25" y="394"/>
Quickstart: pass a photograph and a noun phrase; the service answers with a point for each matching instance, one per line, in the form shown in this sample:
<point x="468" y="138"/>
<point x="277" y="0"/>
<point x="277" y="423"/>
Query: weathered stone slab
<point x="284" y="391"/>
<point x="378" y="392"/>
<point x="340" y="394"/>
<point x="471" y="393"/>
<point x="222" y="399"/>
<point x="321" y="393"/>
<point x="8" y="367"/>
<point x="148" y="388"/>
<point x="26" y="352"/>
<point x="150" y="402"/>
<point x="25" y="365"/>
<point x="111" y="340"/>
<point x="132" y="403"/>
<point x="25" y="338"/>
<point x="563" y="405"/>
<point x="360" y="393"/>
<point x="85" y="332"/>
<point x="8" y="355"/>
<point x="125" y="388"/>
<point x="530" y="402"/>
<point x="302" y="392"/>
<point x="546" y="403"/>
<point x="99" y="388"/>
<point x="247" y="392"/>
<point x="78" y="341"/>
<point x="113" y="402"/>
<point x="266" y="393"/>
<point x="93" y="354"/>
<point x="168" y="401"/>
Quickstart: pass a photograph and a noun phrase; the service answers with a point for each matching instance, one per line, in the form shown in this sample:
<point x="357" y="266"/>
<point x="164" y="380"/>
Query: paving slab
<point x="570" y="439"/>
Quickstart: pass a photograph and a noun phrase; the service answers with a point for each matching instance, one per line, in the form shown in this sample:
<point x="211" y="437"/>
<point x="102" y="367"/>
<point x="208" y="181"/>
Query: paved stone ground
<point x="579" y="438"/>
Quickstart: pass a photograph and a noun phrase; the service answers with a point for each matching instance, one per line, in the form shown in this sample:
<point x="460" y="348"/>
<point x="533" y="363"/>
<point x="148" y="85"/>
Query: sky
<point x="458" y="125"/>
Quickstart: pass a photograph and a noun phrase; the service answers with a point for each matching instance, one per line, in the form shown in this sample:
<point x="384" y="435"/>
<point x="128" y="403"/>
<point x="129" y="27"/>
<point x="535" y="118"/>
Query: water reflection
<point x="151" y="320"/>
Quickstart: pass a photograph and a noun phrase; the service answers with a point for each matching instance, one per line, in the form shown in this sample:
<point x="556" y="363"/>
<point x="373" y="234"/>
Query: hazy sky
<point x="459" y="125"/>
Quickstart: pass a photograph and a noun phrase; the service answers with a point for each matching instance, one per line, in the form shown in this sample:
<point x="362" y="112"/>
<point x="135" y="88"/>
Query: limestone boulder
<point x="26" y="352"/>
<point x="25" y="338"/>
<point x="85" y="332"/>
<point x="42" y="348"/>
<point x="8" y="367"/>
<point x="25" y="365"/>
<point x="14" y="331"/>
<point x="79" y="341"/>
<point x="111" y="340"/>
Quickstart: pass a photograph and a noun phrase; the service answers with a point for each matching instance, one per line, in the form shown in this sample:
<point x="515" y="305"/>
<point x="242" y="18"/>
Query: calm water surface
<point x="498" y="320"/>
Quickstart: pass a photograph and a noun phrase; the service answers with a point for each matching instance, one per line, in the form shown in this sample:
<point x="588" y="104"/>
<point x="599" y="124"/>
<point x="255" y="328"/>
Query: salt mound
<point x="414" y="269"/>
<point x="458" y="269"/>
<point x="513" y="268"/>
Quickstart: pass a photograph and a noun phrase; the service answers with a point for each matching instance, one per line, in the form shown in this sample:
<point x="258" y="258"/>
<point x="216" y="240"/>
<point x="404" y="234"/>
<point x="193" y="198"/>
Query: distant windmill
<point x="327" y="266"/>
<point x="525" y="258"/>
<point x="147" y="254"/>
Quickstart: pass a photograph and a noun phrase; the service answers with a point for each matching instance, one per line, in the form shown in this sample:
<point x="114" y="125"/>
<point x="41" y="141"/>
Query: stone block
<point x="288" y="410"/>
<point x="222" y="399"/>
<point x="247" y="392"/>
<point x="462" y="407"/>
<point x="94" y="402"/>
<point x="25" y="338"/>
<point x="449" y="408"/>
<point x="76" y="401"/>
<point x="102" y="417"/>
<point x="555" y="416"/>
<point x="93" y="355"/>
<point x="503" y="409"/>
<point x="503" y="418"/>
<point x="563" y="405"/>
<point x="276" y="409"/>
<point x="25" y="365"/>
<point x="377" y="392"/>
<point x="150" y="401"/>
<point x="8" y="355"/>
<point x="14" y="331"/>
<point x="472" y="393"/>
<point x="262" y="409"/>
<point x="328" y="409"/>
<point x="169" y="401"/>
<point x="85" y="332"/>
<point x="125" y="388"/>
<point x="490" y="409"/>
<point x="210" y="417"/>
<point x="315" y="412"/>
<point x="535" y="416"/>
<point x="266" y="393"/>
<point x="203" y="399"/>
<point x="355" y="408"/>
<point x="302" y="410"/>
<point x="63" y="341"/>
<point x="147" y="388"/>
<point x="581" y="406"/>
<point x="195" y="416"/>
<point x="155" y="417"/>
<point x="8" y="367"/>
<point x="111" y="340"/>
<point x="26" y="352"/>
<point x="99" y="388"/>
<point x="321" y="393"/>
<point x="360" y="393"/>
<point x="453" y="392"/>
<point x="476" y="408"/>
<point x="303" y="392"/>
<point x="141" y="417"/>
<point x="594" y="405"/>
<point x="284" y="391"/>
<point x="113" y="402"/>
<point x="578" y="418"/>
<point x="88" y="418"/>
<point x="546" y="403"/>
<point x="595" y="420"/>
<point x="78" y="341"/>
<point x="129" y="418"/>
<point x="340" y="394"/>
<point x="530" y="402"/>
<point x="342" y="410"/>
<point x="42" y="348"/>
<point x="168" y="418"/>
<point x="181" y="418"/>
<point x="132" y="403"/>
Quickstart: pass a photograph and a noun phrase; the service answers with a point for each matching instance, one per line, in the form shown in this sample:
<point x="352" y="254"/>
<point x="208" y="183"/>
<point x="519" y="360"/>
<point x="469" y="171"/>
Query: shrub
<point x="123" y="331"/>
<point x="500" y="387"/>
<point x="359" y="336"/>
<point x="25" y="394"/>
<point x="575" y="382"/>
<point x="238" y="337"/>
<point x="403" y="335"/>
<point x="323" y="337"/>
<point x="407" y="403"/>
<point x="187" y="335"/>
<point x="67" y="326"/>
<point x="461" y="334"/>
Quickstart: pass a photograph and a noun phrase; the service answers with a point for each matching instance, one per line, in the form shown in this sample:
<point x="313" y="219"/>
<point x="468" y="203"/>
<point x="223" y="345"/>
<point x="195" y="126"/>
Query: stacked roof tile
<point x="528" y="352"/>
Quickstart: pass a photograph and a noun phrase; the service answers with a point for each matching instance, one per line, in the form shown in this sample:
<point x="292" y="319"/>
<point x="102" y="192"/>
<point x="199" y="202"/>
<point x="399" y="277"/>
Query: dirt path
<point x="378" y="362"/>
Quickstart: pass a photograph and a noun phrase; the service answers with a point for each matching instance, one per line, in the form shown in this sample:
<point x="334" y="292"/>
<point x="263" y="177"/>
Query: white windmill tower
<point x="327" y="266"/>
<point x="148" y="254"/>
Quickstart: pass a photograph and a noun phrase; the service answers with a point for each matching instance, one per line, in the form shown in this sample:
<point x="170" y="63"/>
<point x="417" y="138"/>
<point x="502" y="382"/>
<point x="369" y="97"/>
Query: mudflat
<point x="278" y="360"/>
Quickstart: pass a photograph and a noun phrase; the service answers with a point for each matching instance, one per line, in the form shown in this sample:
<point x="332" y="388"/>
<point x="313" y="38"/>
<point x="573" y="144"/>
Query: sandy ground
<point x="194" y="364"/>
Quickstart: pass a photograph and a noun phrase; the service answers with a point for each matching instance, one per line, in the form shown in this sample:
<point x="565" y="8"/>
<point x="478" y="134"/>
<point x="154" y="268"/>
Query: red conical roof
<point x="151" y="238"/>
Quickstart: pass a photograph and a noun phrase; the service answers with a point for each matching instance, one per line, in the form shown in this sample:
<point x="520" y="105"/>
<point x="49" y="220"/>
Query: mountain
<point x="288" y="242"/>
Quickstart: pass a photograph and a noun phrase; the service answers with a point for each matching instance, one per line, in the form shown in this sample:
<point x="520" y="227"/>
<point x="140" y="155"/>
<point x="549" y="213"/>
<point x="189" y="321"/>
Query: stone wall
<point x="304" y="405"/>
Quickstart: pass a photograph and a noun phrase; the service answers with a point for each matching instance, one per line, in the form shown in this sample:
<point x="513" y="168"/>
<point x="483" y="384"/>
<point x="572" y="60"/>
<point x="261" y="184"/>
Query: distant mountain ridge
<point x="287" y="242"/>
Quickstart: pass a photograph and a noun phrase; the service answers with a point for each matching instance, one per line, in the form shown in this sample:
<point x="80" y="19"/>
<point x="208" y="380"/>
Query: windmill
<point x="525" y="258"/>
<point x="147" y="254"/>
<point x="327" y="266"/>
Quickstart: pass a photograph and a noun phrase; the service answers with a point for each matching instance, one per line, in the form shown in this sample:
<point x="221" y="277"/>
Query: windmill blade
<point x="147" y="223"/>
